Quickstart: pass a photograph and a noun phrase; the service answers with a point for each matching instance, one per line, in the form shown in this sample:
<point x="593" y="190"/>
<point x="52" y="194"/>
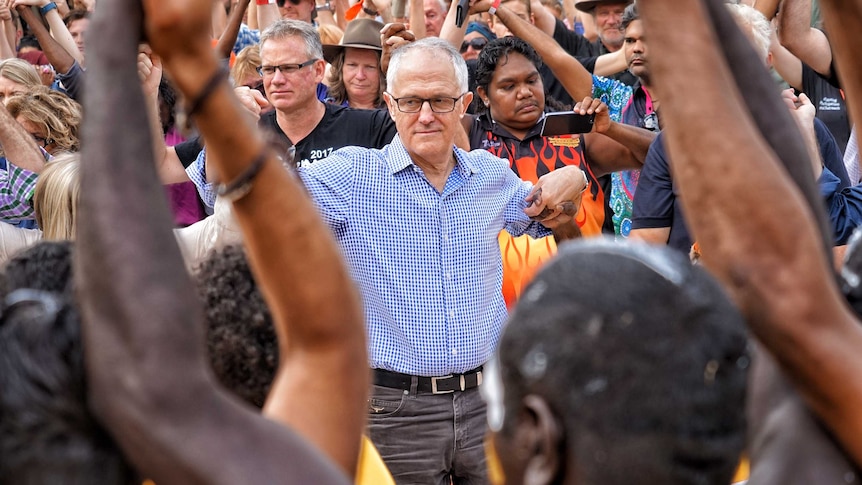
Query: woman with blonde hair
<point x="17" y="76"/>
<point x="55" y="201"/>
<point x="244" y="70"/>
<point x="51" y="117"/>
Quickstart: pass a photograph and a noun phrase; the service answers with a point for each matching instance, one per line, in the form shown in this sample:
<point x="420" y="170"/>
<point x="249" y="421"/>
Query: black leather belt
<point x="433" y="385"/>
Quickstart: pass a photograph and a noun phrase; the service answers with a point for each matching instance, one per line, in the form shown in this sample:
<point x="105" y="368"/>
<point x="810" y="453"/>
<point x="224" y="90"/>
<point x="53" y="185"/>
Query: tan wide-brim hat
<point x="590" y="5"/>
<point x="360" y="33"/>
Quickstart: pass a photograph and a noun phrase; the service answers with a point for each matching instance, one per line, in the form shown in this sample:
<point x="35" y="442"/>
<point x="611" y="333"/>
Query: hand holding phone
<point x="567" y="123"/>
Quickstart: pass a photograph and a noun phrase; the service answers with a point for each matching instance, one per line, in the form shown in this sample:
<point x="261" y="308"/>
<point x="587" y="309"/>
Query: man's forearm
<point x="18" y="145"/>
<point x="57" y="55"/>
<point x="636" y="140"/>
<point x="808" y="44"/>
<point x="745" y="246"/>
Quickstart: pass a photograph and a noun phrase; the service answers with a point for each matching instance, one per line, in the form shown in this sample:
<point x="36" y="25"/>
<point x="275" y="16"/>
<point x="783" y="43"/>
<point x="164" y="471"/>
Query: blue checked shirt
<point x="427" y="263"/>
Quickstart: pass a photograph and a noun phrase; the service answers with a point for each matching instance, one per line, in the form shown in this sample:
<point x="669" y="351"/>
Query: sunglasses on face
<point x="258" y="86"/>
<point x="477" y="44"/>
<point x="280" y="3"/>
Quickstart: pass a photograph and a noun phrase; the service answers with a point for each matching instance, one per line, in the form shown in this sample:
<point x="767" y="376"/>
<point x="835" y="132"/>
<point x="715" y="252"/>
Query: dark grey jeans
<point x="429" y="439"/>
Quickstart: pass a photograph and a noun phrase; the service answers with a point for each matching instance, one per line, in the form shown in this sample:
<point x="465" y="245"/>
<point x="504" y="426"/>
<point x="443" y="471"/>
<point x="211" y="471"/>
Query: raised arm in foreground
<point x="744" y="237"/>
<point x="147" y="370"/>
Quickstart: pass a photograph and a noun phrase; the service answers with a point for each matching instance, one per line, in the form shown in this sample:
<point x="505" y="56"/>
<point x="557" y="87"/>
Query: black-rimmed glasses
<point x="412" y="104"/>
<point x="284" y="69"/>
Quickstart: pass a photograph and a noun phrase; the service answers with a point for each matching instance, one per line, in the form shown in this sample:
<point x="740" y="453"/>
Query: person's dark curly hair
<point x="46" y="266"/>
<point x="47" y="434"/>
<point x="497" y="51"/>
<point x="241" y="339"/>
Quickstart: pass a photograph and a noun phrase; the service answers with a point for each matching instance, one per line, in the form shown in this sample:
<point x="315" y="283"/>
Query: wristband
<point x="325" y="7"/>
<point x="241" y="186"/>
<point x="367" y="10"/>
<point x="47" y="8"/>
<point x="264" y="2"/>
<point x="494" y="7"/>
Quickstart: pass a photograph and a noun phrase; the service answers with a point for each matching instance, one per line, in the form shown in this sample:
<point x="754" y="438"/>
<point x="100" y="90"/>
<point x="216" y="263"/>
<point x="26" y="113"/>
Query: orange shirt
<point x="531" y="158"/>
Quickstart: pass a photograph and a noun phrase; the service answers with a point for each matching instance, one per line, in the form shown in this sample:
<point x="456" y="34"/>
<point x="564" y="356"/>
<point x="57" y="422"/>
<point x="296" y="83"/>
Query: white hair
<point x="755" y="25"/>
<point x="433" y="47"/>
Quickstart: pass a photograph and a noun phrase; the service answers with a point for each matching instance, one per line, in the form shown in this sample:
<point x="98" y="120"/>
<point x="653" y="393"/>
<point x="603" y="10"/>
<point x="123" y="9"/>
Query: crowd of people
<point x="330" y="241"/>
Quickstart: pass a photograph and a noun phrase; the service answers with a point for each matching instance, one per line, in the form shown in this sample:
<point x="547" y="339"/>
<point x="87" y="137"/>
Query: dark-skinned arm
<point x="147" y="369"/>
<point x="322" y="346"/>
<point x="228" y="38"/>
<point x="57" y="55"/>
<point x="612" y="146"/>
<point x="577" y="81"/>
<point x="803" y="322"/>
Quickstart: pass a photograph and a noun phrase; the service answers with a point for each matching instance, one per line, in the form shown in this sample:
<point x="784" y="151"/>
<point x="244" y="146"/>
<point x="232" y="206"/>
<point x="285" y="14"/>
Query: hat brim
<point x="590" y="6"/>
<point x="331" y="51"/>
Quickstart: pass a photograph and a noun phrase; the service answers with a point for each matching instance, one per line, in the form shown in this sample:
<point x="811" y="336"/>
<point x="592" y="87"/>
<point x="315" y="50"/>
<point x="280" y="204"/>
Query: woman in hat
<point x="355" y="79"/>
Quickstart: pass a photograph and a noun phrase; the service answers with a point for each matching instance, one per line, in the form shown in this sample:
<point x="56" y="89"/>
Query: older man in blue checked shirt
<point x="417" y="222"/>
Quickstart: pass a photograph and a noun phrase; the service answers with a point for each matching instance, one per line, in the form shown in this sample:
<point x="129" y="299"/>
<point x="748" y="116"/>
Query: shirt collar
<point x="399" y="159"/>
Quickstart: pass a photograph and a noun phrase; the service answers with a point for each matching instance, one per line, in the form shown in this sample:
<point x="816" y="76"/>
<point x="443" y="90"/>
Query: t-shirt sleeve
<point x="830" y="153"/>
<point x="383" y="126"/>
<point x="188" y="150"/>
<point x="654" y="198"/>
<point x="844" y="206"/>
<point x="572" y="42"/>
<point x="73" y="81"/>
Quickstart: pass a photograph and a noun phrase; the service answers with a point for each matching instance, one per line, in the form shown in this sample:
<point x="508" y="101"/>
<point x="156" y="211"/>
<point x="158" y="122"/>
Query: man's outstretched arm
<point x="147" y="369"/>
<point x="756" y="247"/>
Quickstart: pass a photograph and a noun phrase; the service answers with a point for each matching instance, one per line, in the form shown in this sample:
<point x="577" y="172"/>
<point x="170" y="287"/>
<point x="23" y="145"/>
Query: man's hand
<point x="393" y="36"/>
<point x="177" y="29"/>
<point x="46" y="74"/>
<point x="479" y="6"/>
<point x="150" y="71"/>
<point x="556" y="197"/>
<point x="801" y="108"/>
<point x="252" y="100"/>
<point x="5" y="11"/>
<point x="591" y="106"/>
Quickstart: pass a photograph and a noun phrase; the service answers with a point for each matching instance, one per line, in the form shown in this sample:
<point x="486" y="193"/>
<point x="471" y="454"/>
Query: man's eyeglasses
<point x="280" y="3"/>
<point x="477" y="44"/>
<point x="284" y="69"/>
<point x="410" y="104"/>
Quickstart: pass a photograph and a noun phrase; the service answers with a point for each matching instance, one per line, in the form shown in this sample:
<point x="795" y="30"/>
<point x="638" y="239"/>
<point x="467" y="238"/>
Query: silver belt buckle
<point x="434" y="385"/>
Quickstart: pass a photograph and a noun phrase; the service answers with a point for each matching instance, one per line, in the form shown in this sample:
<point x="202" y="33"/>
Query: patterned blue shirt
<point x="427" y="263"/>
<point x="245" y="37"/>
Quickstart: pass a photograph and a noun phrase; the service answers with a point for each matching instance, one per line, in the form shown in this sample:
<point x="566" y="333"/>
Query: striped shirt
<point x="426" y="262"/>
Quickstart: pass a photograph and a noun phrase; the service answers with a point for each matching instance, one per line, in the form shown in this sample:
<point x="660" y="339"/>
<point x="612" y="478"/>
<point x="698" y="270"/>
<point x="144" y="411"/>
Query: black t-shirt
<point x="829" y="102"/>
<point x="655" y="204"/>
<point x="340" y="127"/>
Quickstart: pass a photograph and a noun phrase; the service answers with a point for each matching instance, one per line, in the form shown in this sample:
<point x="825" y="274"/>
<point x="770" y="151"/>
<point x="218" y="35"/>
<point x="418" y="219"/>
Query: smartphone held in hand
<point x="567" y="123"/>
